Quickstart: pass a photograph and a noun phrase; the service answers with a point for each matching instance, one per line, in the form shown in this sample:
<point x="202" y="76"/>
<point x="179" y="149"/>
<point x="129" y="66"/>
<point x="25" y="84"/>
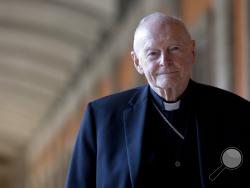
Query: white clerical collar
<point x="172" y="106"/>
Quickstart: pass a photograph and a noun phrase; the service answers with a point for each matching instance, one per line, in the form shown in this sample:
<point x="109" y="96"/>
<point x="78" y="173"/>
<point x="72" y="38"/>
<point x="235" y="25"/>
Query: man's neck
<point x="170" y="94"/>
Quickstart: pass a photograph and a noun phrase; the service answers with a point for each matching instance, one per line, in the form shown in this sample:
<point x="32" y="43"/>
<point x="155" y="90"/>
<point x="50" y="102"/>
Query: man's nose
<point x="165" y="59"/>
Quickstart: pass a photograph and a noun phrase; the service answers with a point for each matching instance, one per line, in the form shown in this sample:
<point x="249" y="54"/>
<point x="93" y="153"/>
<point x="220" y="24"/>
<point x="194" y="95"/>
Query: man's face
<point x="164" y="54"/>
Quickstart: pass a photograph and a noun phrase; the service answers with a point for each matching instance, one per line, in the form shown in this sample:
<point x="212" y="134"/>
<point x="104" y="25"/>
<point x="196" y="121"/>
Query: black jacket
<point x="107" y="152"/>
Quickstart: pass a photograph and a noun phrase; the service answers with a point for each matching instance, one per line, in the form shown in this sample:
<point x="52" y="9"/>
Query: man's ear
<point x="136" y="62"/>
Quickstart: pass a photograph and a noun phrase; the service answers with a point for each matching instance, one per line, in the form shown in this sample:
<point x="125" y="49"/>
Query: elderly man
<point x="173" y="132"/>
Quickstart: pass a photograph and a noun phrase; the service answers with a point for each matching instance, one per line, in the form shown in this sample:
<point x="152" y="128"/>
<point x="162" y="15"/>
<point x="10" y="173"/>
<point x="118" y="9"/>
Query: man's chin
<point x="166" y="85"/>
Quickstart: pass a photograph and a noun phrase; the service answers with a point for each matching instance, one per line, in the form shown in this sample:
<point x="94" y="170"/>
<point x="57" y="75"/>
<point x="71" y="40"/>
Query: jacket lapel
<point x="134" y="117"/>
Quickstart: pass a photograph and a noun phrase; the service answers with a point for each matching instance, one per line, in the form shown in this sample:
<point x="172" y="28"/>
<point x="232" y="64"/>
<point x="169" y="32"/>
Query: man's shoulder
<point x="218" y="95"/>
<point x="118" y="98"/>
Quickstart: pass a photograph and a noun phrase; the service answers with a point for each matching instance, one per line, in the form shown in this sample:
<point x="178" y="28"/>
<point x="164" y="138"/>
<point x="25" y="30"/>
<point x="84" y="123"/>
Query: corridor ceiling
<point x="43" y="43"/>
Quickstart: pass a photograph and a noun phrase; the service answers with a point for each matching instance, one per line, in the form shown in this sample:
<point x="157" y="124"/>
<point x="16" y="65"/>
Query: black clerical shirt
<point x="167" y="159"/>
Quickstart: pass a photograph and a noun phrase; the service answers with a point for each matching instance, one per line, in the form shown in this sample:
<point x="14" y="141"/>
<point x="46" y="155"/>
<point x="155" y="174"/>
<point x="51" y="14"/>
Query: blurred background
<point x="57" y="55"/>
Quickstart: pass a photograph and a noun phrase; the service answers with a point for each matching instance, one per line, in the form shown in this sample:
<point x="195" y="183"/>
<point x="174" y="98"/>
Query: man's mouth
<point x="167" y="73"/>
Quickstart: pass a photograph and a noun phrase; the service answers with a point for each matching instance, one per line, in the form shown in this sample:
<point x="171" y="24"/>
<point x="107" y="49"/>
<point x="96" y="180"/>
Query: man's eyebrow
<point x="147" y="48"/>
<point x="175" y="43"/>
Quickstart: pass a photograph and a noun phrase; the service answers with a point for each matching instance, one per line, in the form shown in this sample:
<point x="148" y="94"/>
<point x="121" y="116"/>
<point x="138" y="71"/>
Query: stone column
<point x="240" y="46"/>
<point x="222" y="45"/>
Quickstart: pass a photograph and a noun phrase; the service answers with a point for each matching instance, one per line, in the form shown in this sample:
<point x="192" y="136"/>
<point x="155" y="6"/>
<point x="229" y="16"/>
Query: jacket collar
<point x="134" y="118"/>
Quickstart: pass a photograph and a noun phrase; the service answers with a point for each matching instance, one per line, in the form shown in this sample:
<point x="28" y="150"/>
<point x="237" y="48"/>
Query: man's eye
<point x="174" y="48"/>
<point x="153" y="54"/>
